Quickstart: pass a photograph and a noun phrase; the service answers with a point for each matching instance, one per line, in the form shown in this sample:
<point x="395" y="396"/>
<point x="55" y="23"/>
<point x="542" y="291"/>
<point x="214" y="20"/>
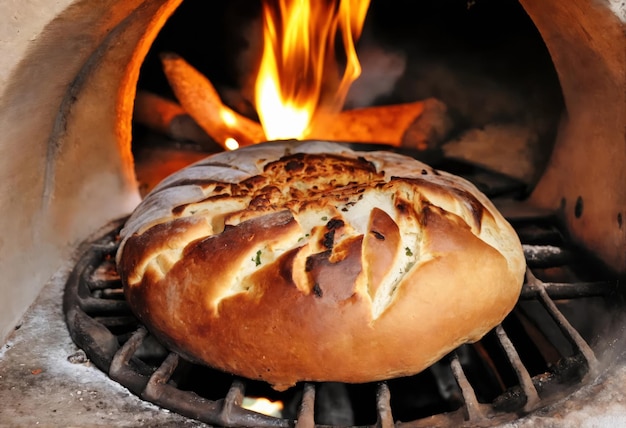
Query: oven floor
<point x="40" y="386"/>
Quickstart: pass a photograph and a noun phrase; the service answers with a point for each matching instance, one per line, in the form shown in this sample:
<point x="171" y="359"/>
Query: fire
<point x="231" y="144"/>
<point x="298" y="78"/>
<point x="263" y="405"/>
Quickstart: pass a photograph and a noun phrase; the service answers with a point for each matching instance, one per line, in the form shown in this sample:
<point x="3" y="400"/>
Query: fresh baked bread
<point x="294" y="261"/>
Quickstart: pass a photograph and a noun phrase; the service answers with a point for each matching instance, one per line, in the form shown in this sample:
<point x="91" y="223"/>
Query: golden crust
<point x="318" y="263"/>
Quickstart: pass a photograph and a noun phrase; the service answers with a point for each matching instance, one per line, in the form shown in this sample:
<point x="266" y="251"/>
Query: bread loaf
<point x="295" y="261"/>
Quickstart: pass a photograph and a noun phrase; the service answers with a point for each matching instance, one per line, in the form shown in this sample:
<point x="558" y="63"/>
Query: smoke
<point x="382" y="67"/>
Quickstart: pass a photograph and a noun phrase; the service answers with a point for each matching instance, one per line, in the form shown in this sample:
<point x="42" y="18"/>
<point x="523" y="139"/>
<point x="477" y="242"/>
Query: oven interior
<point x="503" y="68"/>
<point x="501" y="96"/>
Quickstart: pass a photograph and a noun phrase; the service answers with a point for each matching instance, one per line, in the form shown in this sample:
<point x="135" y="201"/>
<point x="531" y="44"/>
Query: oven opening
<point x="470" y="81"/>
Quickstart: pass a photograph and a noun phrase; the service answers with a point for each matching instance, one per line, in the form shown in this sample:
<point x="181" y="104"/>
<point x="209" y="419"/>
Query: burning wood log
<point x="200" y="99"/>
<point x="169" y="118"/>
<point x="419" y="125"/>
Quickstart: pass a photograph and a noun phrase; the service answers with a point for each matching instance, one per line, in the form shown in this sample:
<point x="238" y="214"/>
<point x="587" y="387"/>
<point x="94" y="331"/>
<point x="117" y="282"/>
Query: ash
<point x="45" y="380"/>
<point x="537" y="252"/>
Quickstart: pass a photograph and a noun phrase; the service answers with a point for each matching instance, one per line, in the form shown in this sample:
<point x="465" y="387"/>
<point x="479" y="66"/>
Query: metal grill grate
<point x="101" y="323"/>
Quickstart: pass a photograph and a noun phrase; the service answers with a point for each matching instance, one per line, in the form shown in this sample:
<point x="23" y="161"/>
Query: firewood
<point x="168" y="118"/>
<point x="199" y="98"/>
<point x="156" y="112"/>
<point x="418" y="125"/>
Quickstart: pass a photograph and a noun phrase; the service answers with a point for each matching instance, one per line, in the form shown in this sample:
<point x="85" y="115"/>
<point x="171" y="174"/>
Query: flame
<point x="263" y="405"/>
<point x="231" y="144"/>
<point x="298" y="74"/>
<point x="230" y="121"/>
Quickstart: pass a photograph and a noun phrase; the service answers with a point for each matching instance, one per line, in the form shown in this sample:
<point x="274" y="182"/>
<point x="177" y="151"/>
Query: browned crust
<point x="308" y="315"/>
<point x="278" y="334"/>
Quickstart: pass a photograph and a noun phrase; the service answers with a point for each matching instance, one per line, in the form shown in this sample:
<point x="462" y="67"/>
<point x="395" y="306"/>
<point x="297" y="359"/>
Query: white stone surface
<point x="40" y="387"/>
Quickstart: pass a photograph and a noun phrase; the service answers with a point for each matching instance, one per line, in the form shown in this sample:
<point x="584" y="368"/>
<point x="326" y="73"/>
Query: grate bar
<point x="183" y="402"/>
<point x="233" y="400"/>
<point x="95" y="305"/>
<point x="106" y="248"/>
<point x="226" y="412"/>
<point x="96" y="340"/>
<point x="120" y="370"/>
<point x="116" y="322"/>
<point x="160" y="392"/>
<point x="526" y="382"/>
<point x="154" y="389"/>
<point x="546" y="255"/>
<point x="568" y="330"/>
<point x="475" y="411"/>
<point x="546" y="348"/>
<point x="92" y="305"/>
<point x="306" y="413"/>
<point x="110" y="292"/>
<point x="383" y="406"/>
<point x="105" y="284"/>
<point x="190" y="404"/>
<point x="572" y="290"/>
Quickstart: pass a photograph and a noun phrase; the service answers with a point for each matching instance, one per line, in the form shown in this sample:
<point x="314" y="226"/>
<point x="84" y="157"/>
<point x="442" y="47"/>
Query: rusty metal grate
<point x="101" y="323"/>
<point x="539" y="354"/>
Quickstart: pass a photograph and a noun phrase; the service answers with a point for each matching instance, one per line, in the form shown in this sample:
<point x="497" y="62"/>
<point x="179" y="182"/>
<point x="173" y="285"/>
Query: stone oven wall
<point x="66" y="93"/>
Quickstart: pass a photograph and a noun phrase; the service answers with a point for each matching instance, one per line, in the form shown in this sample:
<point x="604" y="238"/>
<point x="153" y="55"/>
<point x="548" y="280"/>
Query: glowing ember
<point x="228" y="117"/>
<point x="297" y="78"/>
<point x="231" y="143"/>
<point x="263" y="405"/>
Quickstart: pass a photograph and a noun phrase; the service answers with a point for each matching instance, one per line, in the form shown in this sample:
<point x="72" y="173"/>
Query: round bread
<point x="293" y="261"/>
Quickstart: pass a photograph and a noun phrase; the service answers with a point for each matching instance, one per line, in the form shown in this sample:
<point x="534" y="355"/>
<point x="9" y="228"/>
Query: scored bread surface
<point x="293" y="261"/>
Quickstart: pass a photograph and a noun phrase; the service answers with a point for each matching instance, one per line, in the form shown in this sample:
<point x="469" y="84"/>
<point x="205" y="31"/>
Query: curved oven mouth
<point x="537" y="356"/>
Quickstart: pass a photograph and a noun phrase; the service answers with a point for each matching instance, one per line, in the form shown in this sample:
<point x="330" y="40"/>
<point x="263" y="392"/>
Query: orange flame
<point x="263" y="406"/>
<point x="297" y="77"/>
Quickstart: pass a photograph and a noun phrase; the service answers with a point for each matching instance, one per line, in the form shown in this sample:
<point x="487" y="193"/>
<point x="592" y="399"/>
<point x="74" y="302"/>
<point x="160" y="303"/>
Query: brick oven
<point x="68" y="84"/>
